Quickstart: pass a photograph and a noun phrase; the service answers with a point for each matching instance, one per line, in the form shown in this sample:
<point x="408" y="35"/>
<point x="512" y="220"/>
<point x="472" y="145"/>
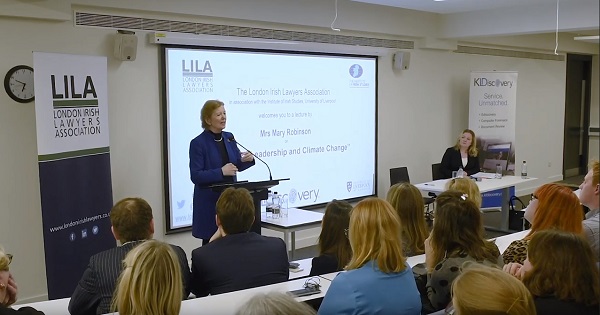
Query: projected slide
<point x="310" y="117"/>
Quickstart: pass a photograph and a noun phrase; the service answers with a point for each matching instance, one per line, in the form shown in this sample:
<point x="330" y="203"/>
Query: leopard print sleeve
<point x="515" y="252"/>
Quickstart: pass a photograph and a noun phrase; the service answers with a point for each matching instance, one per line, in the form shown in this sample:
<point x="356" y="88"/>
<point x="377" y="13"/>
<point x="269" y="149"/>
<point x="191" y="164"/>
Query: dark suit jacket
<point x="324" y="264"/>
<point x="237" y="262"/>
<point x="94" y="291"/>
<point x="205" y="169"/>
<point x="451" y="161"/>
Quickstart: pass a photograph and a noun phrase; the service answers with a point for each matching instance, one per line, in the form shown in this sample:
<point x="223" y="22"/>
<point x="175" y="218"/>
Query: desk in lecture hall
<point x="226" y="303"/>
<point x="502" y="242"/>
<point x="485" y="185"/>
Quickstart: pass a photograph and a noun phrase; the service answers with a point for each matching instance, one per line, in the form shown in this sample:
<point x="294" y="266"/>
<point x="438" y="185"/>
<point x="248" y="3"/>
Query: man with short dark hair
<point x="589" y="196"/>
<point x="132" y="223"/>
<point x="236" y="259"/>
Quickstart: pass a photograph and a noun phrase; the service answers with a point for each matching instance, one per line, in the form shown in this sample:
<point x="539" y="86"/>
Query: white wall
<point x="421" y="110"/>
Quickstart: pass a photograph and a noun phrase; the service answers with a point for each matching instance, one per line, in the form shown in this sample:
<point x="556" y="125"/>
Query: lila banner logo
<point x="75" y="114"/>
<point x="349" y="186"/>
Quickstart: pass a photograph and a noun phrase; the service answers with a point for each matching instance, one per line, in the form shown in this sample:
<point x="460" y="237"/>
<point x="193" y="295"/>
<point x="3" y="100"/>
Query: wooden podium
<point x="259" y="192"/>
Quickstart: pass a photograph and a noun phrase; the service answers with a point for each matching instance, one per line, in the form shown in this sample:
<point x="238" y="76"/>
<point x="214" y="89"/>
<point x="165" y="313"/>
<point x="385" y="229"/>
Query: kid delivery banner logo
<point x="488" y="82"/>
<point x="197" y="76"/>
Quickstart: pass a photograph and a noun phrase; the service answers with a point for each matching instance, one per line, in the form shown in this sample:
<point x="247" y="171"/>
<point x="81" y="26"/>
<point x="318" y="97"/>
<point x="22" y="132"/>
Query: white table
<point x="305" y="266"/>
<point x="502" y="242"/>
<point x="52" y="307"/>
<point x="296" y="220"/>
<point x="226" y="303"/>
<point x="485" y="185"/>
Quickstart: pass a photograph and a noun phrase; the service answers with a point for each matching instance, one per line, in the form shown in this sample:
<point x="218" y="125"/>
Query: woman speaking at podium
<point x="462" y="155"/>
<point x="214" y="158"/>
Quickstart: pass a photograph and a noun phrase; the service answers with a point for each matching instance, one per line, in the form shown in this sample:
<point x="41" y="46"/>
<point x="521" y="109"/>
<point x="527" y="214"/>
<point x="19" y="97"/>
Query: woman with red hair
<point x="552" y="206"/>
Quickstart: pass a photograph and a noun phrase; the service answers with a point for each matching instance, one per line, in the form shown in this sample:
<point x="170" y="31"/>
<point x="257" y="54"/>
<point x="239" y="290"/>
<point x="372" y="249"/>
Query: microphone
<point x="232" y="139"/>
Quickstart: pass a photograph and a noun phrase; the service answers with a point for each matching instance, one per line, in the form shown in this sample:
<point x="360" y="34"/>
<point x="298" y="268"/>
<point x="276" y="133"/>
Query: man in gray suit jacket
<point x="132" y="223"/>
<point x="236" y="259"/>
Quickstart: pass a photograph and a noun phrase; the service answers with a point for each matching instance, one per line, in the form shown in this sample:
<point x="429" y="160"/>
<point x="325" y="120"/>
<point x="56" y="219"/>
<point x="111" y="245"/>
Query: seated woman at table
<point x="378" y="280"/>
<point x="561" y="273"/>
<point x="334" y="247"/>
<point x="466" y="186"/>
<point x="8" y="289"/>
<point x="408" y="202"/>
<point x="551" y="206"/>
<point x="151" y="281"/>
<point x="456" y="237"/>
<point x="462" y="155"/>
<point x="473" y="293"/>
<point x="274" y="303"/>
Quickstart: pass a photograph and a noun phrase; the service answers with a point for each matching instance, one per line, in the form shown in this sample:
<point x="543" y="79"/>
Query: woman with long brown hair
<point x="456" y="237"/>
<point x="552" y="206"/>
<point x="561" y="273"/>
<point x="408" y="202"/>
<point x="334" y="247"/>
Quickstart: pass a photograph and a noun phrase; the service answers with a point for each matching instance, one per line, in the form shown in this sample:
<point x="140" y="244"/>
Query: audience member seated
<point x="561" y="273"/>
<point x="551" y="206"/>
<point x="151" y="281"/>
<point x="466" y="186"/>
<point x="274" y="303"/>
<point x="132" y="224"/>
<point x="378" y="280"/>
<point x="462" y="155"/>
<point x="408" y="202"/>
<point x="9" y="290"/>
<point x="590" y="197"/>
<point x="485" y="290"/>
<point x="334" y="247"/>
<point x="236" y="259"/>
<point x="456" y="237"/>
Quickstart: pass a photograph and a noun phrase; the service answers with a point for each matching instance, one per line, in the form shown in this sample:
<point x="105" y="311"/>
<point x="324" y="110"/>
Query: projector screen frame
<point x="164" y="120"/>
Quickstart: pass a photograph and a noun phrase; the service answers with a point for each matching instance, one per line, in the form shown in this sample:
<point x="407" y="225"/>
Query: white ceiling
<point x="457" y="6"/>
<point x="477" y="18"/>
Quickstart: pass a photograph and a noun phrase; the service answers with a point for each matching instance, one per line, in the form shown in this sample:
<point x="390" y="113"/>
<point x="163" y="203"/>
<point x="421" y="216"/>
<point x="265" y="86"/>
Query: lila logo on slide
<point x="355" y="71"/>
<point x="349" y="186"/>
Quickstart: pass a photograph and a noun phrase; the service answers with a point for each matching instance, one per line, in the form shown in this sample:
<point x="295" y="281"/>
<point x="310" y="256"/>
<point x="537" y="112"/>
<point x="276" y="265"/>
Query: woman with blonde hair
<point x="378" y="279"/>
<point x="462" y="155"/>
<point x="150" y="284"/>
<point x="561" y="273"/>
<point x="552" y="206"/>
<point x="466" y="186"/>
<point x="274" y="303"/>
<point x="408" y="202"/>
<point x="8" y="289"/>
<point x="472" y="293"/>
<point x="456" y="237"/>
<point x="334" y="246"/>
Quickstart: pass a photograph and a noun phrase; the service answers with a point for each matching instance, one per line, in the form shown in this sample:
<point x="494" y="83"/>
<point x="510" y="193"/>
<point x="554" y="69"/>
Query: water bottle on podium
<point x="269" y="206"/>
<point x="276" y="200"/>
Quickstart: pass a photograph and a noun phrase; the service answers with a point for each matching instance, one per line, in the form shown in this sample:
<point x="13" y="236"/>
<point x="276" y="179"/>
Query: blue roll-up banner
<point x="492" y="108"/>
<point x="74" y="163"/>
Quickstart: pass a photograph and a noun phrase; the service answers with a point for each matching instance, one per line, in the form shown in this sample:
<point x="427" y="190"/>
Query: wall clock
<point x="18" y="84"/>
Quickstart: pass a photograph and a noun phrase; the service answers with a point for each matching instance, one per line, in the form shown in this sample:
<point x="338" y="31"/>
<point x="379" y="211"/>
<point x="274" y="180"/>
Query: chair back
<point x="399" y="175"/>
<point x="435" y="171"/>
